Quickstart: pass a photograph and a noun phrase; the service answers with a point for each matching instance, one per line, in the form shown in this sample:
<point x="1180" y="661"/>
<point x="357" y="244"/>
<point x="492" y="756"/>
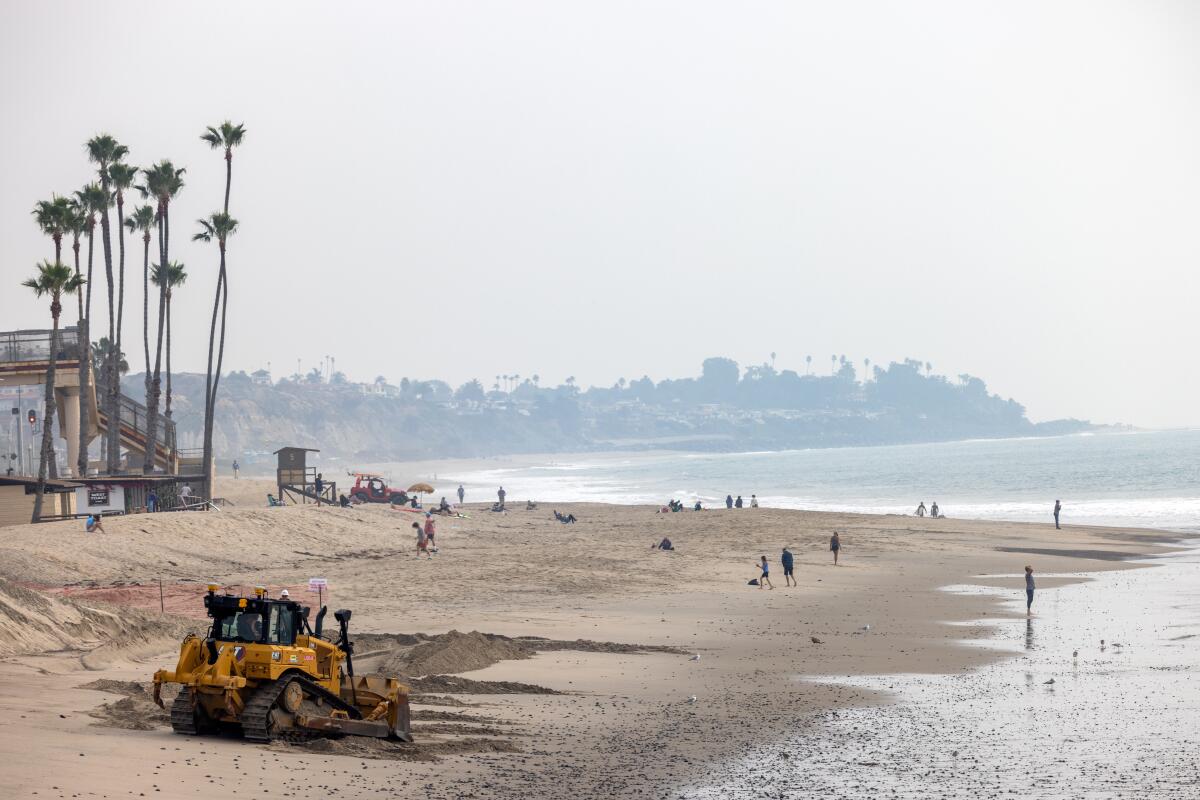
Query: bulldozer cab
<point x="253" y="620"/>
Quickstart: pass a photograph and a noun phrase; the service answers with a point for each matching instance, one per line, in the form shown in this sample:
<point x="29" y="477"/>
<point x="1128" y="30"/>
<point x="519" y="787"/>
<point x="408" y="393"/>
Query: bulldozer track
<point x="256" y="715"/>
<point x="183" y="714"/>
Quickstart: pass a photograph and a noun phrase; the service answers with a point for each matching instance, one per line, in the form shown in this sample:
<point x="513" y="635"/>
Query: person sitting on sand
<point x="933" y="510"/>
<point x="921" y="509"/>
<point x="697" y="507"/>
<point x="414" y="502"/>
<point x="530" y="505"/>
<point x="753" y="501"/>
<point x="835" y="544"/>
<point x="422" y="542"/>
<point x="94" y="526"/>
<point x="765" y="578"/>
<point x="665" y="544"/>
<point x="738" y="503"/>
<point x="343" y="501"/>
<point x="443" y="507"/>
<point x="565" y="519"/>
<point x="788" y="562"/>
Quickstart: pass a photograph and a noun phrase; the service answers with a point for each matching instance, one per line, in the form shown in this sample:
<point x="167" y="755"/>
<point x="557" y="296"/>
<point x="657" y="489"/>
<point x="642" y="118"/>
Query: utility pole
<point x="20" y="449"/>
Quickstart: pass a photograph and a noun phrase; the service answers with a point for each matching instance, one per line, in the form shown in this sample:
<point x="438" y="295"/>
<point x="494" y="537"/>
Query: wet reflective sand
<point x="1120" y="720"/>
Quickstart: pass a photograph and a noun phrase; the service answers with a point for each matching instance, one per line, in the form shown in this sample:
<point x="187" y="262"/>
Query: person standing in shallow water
<point x="1057" y="511"/>
<point x="1029" y="587"/>
<point x="835" y="544"/>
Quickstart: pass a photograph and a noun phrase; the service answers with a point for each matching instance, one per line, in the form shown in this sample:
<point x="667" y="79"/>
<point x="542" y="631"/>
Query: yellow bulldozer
<point x="264" y="670"/>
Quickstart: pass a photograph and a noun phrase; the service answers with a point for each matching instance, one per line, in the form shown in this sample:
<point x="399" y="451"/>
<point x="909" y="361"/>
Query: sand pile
<point x="454" y="652"/>
<point x="135" y="711"/>
<point x="32" y="622"/>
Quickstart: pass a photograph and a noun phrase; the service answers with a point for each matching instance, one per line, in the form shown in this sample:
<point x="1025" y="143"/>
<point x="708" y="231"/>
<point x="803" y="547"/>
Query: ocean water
<point x="1144" y="479"/>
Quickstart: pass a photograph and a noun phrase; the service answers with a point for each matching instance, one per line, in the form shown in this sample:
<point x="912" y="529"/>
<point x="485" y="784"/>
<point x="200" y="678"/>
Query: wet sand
<point x="620" y="723"/>
<point x="1098" y="697"/>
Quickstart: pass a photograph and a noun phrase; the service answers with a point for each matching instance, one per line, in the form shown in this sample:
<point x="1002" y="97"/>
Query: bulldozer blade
<point x="352" y="727"/>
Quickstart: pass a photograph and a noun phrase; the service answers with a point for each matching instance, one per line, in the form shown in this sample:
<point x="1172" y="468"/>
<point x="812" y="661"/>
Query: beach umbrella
<point x="418" y="488"/>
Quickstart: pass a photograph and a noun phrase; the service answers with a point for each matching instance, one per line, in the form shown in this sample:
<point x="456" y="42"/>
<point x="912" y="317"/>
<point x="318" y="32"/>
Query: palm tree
<point x="104" y="350"/>
<point x="143" y="220"/>
<point x="928" y="368"/>
<point x="162" y="182"/>
<point x="866" y="369"/>
<point x="121" y="178"/>
<point x="174" y="275"/>
<point x="54" y="280"/>
<point x="227" y="136"/>
<point x="219" y="226"/>
<point x="88" y="200"/>
<point x="54" y="217"/>
<point x="807" y="364"/>
<point x="832" y="364"/>
<point x="772" y="360"/>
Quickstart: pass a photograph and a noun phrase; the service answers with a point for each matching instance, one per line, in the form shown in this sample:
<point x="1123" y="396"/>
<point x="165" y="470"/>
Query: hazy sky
<point x="614" y="189"/>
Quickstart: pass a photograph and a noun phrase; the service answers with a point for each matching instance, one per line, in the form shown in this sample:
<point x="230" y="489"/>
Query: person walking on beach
<point x="765" y="578"/>
<point x="729" y="501"/>
<point x="236" y="468"/>
<point x="1057" y="511"/>
<point x="933" y="510"/>
<point x="835" y="544"/>
<point x="789" y="579"/>
<point x="429" y="531"/>
<point x="319" y="484"/>
<point x="1029" y="587"/>
<point x="461" y="494"/>
<point x="422" y="542"/>
<point x="921" y="509"/>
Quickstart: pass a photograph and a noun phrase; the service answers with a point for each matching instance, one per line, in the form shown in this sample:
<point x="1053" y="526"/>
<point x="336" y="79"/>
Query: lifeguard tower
<point x="297" y="481"/>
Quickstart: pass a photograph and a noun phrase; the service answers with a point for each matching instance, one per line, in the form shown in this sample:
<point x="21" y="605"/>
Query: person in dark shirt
<point x="729" y="501"/>
<point x="835" y="546"/>
<point x="319" y="484"/>
<point x="1029" y="587"/>
<point x="788" y="562"/>
<point x="1057" y="511"/>
<point x="738" y="503"/>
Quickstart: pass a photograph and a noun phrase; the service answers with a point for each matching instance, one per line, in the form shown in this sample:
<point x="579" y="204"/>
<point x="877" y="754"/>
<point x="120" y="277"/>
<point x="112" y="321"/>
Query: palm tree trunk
<point x="146" y="304"/>
<point x="48" y="416"/>
<point x="106" y="369"/>
<point x="209" y="394"/>
<point x="85" y="364"/>
<point x="153" y="395"/>
<point x="210" y="422"/>
<point x="114" y="403"/>
<point x="211" y="381"/>
<point x="167" y="411"/>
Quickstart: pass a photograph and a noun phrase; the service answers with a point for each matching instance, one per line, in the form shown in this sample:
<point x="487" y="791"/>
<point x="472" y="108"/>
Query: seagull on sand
<point x="815" y="640"/>
<point x="1047" y="683"/>
<point x="695" y="657"/>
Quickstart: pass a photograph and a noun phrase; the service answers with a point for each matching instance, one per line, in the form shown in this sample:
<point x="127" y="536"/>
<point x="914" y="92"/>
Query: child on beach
<point x="766" y="574"/>
<point x="429" y="531"/>
<point x="788" y="563"/>
<point x="835" y="544"/>
<point x="422" y="542"/>
<point x="94" y="526"/>
<point x="1029" y="587"/>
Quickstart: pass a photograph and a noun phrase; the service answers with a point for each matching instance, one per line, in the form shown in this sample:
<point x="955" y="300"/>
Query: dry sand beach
<point x="572" y="669"/>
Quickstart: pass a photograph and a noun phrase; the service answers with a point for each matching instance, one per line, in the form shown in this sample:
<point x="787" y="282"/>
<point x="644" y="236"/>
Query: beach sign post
<point x="318" y="585"/>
